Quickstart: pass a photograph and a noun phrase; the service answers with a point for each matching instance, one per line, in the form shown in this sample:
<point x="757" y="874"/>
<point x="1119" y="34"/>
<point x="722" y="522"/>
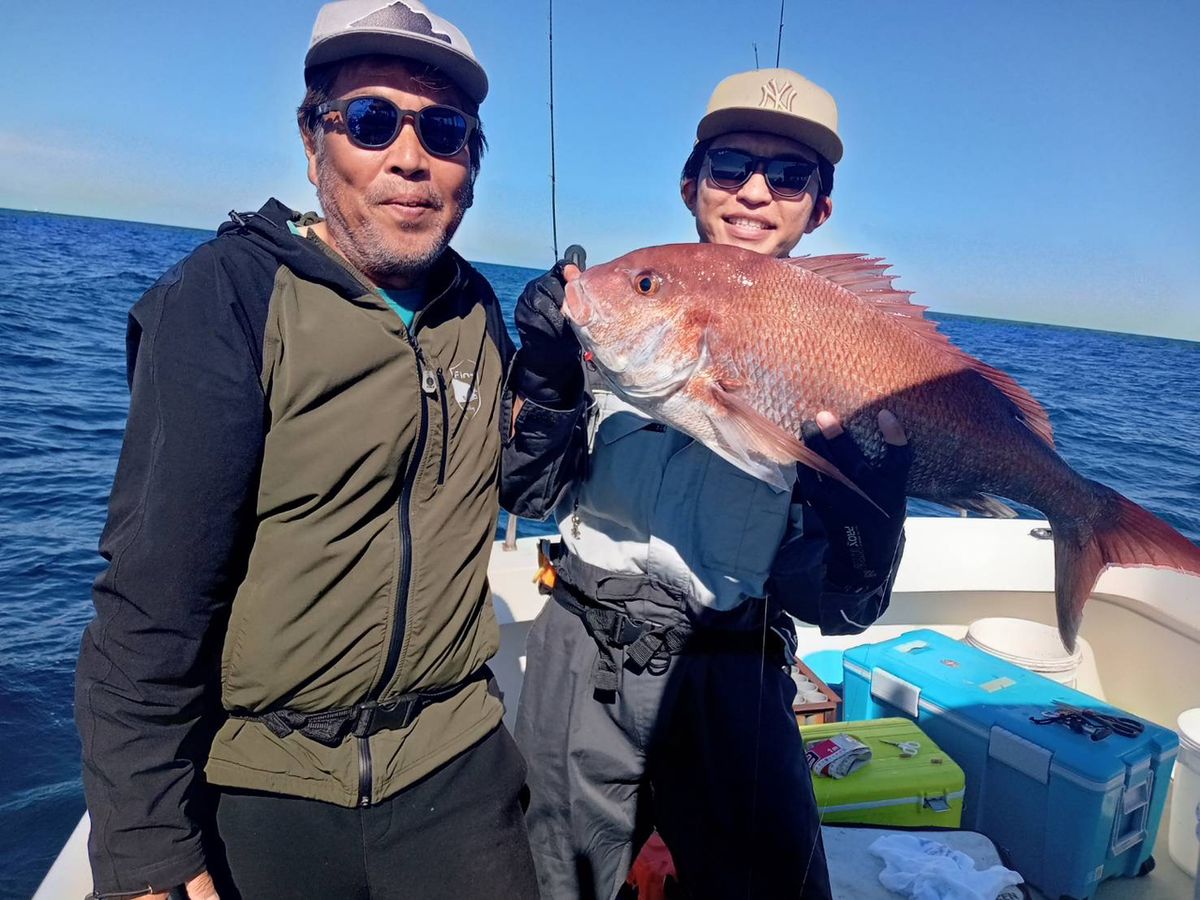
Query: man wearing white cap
<point x="656" y="692"/>
<point x="295" y="610"/>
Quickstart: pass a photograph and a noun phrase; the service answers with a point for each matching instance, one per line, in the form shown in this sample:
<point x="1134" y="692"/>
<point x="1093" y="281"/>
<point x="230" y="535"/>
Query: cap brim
<point x="460" y="69"/>
<point x="806" y="131"/>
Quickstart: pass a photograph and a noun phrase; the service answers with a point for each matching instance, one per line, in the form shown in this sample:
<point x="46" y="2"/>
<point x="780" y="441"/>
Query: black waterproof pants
<point x="458" y="834"/>
<point x="707" y="752"/>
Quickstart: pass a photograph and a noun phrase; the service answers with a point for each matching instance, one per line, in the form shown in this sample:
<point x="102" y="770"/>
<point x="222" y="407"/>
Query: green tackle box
<point x="922" y="790"/>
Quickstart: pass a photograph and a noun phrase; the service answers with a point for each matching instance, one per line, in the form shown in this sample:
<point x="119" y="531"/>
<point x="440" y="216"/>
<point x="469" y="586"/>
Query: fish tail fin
<point x="1125" y="534"/>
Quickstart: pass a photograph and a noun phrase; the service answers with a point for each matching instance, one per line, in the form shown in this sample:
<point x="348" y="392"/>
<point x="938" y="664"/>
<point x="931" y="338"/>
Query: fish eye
<point x="647" y="283"/>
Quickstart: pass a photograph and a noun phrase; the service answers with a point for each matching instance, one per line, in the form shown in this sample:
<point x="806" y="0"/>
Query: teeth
<point x="747" y="223"/>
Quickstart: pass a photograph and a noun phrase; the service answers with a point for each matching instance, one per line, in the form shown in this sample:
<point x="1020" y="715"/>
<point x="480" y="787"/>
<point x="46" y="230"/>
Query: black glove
<point x="862" y="540"/>
<point x="550" y="372"/>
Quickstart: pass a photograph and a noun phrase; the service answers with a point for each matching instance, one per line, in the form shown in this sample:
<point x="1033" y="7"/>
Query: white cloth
<point x="930" y="870"/>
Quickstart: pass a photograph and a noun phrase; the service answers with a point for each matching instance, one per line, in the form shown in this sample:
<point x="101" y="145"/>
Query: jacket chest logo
<point x="462" y="387"/>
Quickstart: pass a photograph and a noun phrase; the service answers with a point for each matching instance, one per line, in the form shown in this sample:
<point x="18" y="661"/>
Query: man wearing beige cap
<point x="657" y="691"/>
<point x="295" y="618"/>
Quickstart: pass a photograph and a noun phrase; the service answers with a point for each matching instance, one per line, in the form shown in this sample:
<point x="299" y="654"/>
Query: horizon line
<point x="934" y="310"/>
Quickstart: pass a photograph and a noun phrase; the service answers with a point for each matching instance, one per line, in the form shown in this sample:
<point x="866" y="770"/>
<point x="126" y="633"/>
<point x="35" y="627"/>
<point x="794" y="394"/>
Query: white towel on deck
<point x="929" y="870"/>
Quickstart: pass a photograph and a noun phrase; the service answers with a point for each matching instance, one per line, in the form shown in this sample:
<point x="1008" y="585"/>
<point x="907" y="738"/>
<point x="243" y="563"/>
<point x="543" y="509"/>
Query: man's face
<point x="390" y="212"/>
<point x="751" y="216"/>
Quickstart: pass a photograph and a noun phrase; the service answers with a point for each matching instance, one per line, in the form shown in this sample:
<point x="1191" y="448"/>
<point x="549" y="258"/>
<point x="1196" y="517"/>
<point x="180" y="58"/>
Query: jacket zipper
<point x="364" y="771"/>
<point x="428" y="386"/>
<point x="445" y="424"/>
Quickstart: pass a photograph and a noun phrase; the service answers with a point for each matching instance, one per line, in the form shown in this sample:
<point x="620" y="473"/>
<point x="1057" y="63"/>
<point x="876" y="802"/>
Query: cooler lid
<point x="940" y="676"/>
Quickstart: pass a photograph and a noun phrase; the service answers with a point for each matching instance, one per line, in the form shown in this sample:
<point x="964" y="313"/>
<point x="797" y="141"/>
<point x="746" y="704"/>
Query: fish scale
<point x="738" y="350"/>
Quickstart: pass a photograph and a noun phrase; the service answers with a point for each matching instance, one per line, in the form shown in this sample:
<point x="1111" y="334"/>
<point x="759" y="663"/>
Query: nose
<point x="406" y="156"/>
<point x="755" y="191"/>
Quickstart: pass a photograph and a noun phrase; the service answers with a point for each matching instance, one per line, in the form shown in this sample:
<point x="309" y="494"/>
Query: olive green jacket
<point x="307" y="490"/>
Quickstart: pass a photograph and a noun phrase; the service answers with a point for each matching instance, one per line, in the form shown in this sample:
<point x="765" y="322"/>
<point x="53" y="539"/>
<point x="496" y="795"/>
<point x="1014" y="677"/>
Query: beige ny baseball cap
<point x="777" y="101"/>
<point x="348" y="28"/>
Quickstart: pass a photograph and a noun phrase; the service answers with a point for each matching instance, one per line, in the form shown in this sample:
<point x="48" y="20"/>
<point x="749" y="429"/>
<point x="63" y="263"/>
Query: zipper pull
<point x="424" y="370"/>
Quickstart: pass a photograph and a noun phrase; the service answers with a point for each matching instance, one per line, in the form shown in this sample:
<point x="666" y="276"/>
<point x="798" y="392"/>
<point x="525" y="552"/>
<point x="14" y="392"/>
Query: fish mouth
<point x="577" y="306"/>
<point x="581" y="310"/>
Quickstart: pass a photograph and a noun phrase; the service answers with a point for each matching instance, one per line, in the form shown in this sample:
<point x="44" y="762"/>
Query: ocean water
<point x="1126" y="411"/>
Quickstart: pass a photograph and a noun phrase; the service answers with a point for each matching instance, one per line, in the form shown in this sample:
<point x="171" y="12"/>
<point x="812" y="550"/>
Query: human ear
<point x="822" y="210"/>
<point x="687" y="191"/>
<point x="310" y="151"/>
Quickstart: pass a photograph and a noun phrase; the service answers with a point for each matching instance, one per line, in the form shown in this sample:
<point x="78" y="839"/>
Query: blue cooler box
<point x="1071" y="811"/>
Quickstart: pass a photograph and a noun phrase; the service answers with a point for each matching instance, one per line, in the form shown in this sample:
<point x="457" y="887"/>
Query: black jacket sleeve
<point x="544" y="452"/>
<point x="798" y="582"/>
<point x="180" y="521"/>
<point x="545" y="449"/>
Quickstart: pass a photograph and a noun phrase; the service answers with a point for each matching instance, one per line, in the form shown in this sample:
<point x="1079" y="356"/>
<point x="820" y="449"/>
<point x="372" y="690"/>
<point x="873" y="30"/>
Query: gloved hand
<point x="862" y="540"/>
<point x="550" y="372"/>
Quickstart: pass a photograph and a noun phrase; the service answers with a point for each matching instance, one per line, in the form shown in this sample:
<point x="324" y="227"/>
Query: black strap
<point x="636" y="643"/>
<point x="648" y="645"/>
<point x="363" y="719"/>
<point x="616" y="634"/>
<point x="610" y="587"/>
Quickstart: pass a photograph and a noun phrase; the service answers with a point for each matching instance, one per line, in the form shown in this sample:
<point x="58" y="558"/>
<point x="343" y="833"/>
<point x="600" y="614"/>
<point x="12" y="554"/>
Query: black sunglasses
<point x="374" y="122"/>
<point x="787" y="176"/>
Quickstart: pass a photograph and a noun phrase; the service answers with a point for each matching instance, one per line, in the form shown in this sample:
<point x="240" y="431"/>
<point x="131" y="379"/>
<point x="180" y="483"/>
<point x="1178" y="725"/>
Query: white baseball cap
<point x="407" y="28"/>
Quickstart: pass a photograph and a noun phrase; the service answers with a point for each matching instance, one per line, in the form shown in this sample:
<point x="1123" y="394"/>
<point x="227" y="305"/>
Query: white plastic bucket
<point x="1184" y="840"/>
<point x="1030" y="645"/>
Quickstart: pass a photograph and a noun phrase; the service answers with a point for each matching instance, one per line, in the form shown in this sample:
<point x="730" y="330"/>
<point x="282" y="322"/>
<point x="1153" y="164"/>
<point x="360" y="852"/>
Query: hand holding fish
<point x="863" y="533"/>
<point x="550" y="372"/>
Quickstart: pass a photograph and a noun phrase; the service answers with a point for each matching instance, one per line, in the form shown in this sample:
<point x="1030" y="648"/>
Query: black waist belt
<point x="648" y="645"/>
<point x="363" y="719"/>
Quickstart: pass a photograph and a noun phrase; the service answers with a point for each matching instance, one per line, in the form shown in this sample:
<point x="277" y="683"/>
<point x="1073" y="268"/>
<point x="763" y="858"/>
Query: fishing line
<point x="762" y="656"/>
<point x="762" y="675"/>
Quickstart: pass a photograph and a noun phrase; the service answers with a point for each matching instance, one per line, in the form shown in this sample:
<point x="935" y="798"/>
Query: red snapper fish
<point x="738" y="350"/>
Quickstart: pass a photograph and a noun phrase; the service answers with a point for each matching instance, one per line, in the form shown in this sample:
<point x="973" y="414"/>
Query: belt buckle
<point x="364" y="717"/>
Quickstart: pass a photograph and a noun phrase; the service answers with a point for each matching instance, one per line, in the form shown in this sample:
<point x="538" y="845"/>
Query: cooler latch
<point x="1129" y="829"/>
<point x="937" y="804"/>
<point x="1018" y="753"/>
<point x="896" y="692"/>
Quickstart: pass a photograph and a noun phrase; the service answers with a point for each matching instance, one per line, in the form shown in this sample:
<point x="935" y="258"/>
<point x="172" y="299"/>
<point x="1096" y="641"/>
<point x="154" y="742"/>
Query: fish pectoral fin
<point x="778" y="475"/>
<point x="761" y="444"/>
<point x="731" y="385"/>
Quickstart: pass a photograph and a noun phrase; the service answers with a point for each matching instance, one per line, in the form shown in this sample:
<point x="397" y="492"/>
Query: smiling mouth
<point x="747" y="223"/>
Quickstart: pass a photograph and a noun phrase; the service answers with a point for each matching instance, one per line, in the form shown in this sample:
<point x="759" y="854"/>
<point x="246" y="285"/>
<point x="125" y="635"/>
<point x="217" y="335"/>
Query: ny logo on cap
<point x="400" y="17"/>
<point x="775" y="96"/>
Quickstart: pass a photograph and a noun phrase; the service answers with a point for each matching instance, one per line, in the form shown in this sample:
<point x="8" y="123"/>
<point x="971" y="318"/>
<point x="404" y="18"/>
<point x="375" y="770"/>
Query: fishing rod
<point x="553" y="179"/>
<point x="779" y="41"/>
<point x="510" y="530"/>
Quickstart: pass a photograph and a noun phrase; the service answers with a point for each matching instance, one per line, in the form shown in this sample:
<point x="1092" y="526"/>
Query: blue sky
<point x="1019" y="159"/>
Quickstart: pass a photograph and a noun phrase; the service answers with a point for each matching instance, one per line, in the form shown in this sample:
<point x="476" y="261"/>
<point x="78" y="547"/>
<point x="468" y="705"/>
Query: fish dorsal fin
<point x="863" y="276"/>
